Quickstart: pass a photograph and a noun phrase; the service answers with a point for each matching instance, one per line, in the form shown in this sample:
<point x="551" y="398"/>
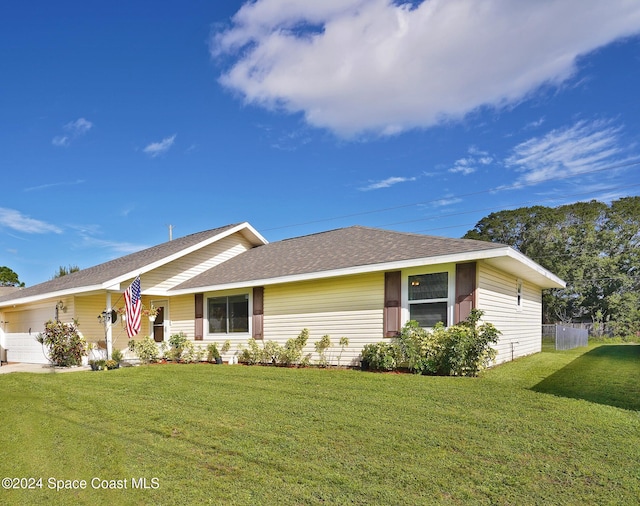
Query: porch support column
<point x="108" y="334"/>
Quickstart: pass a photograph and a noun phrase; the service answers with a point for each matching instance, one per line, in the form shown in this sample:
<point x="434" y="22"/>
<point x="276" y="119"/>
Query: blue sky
<point x="119" y="119"/>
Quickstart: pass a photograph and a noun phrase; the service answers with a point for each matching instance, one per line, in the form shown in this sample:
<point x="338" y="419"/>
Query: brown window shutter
<point x="465" y="291"/>
<point x="392" y="305"/>
<point x="258" y="312"/>
<point x="199" y="316"/>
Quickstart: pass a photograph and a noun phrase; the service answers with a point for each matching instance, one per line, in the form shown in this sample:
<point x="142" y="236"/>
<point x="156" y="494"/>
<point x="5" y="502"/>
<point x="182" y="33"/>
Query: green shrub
<point x="145" y="349"/>
<point x="212" y="352"/>
<point x="116" y="355"/>
<point x="65" y="345"/>
<point x="380" y="356"/>
<point x="251" y="355"/>
<point x="291" y="354"/>
<point x="178" y="344"/>
<point x="271" y="352"/>
<point x="344" y="342"/>
<point x="460" y="350"/>
<point x="321" y="346"/>
<point x="191" y="353"/>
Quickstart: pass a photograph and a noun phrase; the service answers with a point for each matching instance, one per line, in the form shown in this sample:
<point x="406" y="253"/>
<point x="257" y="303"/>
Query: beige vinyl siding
<point x="181" y="315"/>
<point x="497" y="297"/>
<point x="188" y="266"/>
<point x="350" y="306"/>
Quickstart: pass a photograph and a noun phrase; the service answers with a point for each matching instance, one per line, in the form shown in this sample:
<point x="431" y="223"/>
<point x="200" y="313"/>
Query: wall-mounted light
<point x="60" y="306"/>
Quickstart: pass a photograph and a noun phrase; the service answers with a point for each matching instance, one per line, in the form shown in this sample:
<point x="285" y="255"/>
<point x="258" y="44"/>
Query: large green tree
<point x="593" y="246"/>
<point x="8" y="277"/>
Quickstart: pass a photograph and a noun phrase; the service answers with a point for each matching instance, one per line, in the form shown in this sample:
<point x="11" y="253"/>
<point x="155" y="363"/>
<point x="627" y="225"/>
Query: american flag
<point x="133" y="306"/>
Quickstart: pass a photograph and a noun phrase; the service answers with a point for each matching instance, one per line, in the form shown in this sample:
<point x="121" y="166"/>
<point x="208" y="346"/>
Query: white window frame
<point x="230" y="293"/>
<point x="519" y="294"/>
<point x="450" y="269"/>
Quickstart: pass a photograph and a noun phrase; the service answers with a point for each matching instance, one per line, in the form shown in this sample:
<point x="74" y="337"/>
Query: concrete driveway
<point x="39" y="368"/>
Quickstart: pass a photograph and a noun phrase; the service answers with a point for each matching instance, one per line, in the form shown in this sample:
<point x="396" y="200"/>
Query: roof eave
<point x="529" y="269"/>
<point x="50" y="295"/>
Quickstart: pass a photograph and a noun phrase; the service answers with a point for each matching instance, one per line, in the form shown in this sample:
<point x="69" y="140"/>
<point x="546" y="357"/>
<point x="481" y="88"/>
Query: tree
<point x="63" y="271"/>
<point x="9" y="278"/>
<point x="593" y="246"/>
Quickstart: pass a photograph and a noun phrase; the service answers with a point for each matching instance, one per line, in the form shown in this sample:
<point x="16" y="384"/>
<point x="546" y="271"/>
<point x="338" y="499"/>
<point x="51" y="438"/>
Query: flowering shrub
<point x="65" y="345"/>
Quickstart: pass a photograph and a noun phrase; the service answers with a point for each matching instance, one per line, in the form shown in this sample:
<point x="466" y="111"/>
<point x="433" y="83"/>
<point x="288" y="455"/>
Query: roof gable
<point x="124" y="268"/>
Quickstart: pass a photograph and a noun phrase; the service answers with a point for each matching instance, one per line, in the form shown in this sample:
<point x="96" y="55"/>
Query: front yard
<point x="554" y="428"/>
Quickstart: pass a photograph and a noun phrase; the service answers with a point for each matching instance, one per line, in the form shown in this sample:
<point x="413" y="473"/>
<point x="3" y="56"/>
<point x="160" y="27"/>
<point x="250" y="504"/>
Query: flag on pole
<point x="133" y="307"/>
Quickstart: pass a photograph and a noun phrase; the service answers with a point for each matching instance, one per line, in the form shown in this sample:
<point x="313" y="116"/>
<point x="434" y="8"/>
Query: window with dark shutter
<point x="258" y="313"/>
<point x="199" y="316"/>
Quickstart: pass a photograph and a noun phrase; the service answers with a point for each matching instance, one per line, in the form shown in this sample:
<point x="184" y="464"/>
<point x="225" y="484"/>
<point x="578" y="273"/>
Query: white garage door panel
<point x="21" y="329"/>
<point x="24" y="348"/>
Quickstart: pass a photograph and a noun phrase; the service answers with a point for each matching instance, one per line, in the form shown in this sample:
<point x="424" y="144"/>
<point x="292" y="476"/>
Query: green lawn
<point x="554" y="428"/>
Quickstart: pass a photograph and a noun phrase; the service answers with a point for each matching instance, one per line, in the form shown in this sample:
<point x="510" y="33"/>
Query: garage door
<point x="20" y="338"/>
<point x="24" y="348"/>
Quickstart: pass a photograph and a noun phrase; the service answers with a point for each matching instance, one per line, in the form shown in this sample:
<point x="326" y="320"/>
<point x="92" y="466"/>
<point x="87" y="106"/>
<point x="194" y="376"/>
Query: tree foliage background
<point x="8" y="277"/>
<point x="593" y="246"/>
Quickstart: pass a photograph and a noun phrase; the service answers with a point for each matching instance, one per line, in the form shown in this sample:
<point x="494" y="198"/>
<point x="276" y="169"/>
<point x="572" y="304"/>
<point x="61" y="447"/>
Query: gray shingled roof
<point x="120" y="266"/>
<point x="335" y="249"/>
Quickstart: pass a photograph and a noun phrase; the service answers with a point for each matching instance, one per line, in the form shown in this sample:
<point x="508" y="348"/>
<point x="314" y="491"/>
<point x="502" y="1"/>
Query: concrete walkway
<point x="39" y="368"/>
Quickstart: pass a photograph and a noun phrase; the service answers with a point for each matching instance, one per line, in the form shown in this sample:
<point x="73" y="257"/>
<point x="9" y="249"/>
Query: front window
<point x="228" y="314"/>
<point x="428" y="298"/>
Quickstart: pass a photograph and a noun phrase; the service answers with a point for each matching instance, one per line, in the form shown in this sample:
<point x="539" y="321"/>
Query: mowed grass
<point x="524" y="433"/>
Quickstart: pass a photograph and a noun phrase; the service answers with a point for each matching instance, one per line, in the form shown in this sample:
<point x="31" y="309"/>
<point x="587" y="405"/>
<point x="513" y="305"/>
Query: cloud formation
<point x="469" y="164"/>
<point x="73" y="129"/>
<point x="376" y="66"/>
<point x="15" y="220"/>
<point x="386" y="183"/>
<point x="157" y="148"/>
<point x="582" y="147"/>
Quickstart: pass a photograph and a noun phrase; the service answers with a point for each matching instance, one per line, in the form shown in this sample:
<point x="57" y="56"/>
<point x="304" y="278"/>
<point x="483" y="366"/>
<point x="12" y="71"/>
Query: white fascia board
<point x="536" y="267"/>
<point x="254" y="236"/>
<point x="52" y="295"/>
<point x="387" y="266"/>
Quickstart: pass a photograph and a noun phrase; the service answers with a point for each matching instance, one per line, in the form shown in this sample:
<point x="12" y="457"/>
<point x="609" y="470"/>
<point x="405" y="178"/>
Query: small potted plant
<point x="116" y="356"/>
<point x="111" y="364"/>
<point x="213" y="354"/>
<point x="97" y="365"/>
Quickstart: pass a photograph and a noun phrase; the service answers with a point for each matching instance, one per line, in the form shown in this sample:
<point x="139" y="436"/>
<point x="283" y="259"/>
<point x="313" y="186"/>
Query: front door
<point x="159" y="323"/>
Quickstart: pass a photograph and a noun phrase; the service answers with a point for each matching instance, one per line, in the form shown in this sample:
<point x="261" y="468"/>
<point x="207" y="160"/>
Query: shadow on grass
<point x="608" y="374"/>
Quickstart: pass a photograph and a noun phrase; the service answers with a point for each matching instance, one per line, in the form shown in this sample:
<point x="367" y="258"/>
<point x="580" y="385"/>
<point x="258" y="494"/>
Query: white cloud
<point x="469" y="164"/>
<point x="117" y="247"/>
<point x="583" y="147"/>
<point x="60" y="141"/>
<point x="79" y="127"/>
<point x="356" y="66"/>
<point x="74" y="130"/>
<point x="446" y="202"/>
<point x="386" y="183"/>
<point x="52" y="185"/>
<point x="157" y="148"/>
<point x="15" y="220"/>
